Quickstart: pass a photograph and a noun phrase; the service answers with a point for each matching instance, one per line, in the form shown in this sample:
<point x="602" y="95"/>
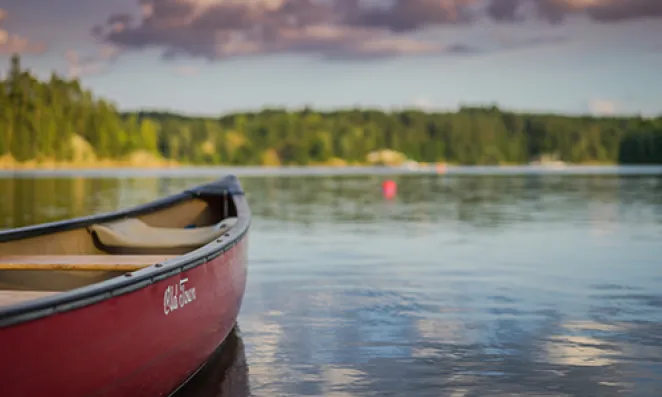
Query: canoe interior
<point x="41" y="266"/>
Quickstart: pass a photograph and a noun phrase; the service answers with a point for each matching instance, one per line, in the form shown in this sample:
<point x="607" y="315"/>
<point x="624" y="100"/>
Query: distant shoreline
<point x="119" y="165"/>
<point x="165" y="165"/>
<point x="32" y="166"/>
<point x="153" y="163"/>
<point x="197" y="171"/>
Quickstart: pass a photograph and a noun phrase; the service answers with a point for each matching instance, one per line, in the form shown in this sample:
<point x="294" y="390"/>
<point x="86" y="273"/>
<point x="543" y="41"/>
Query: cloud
<point x="408" y="15"/>
<point x="80" y="66"/>
<point x="555" y="11"/>
<point x="423" y="104"/>
<point x="187" y="70"/>
<point x="599" y="10"/>
<point x="504" y="10"/>
<point x="11" y="43"/>
<point x="615" y="10"/>
<point x="603" y="107"/>
<point x="359" y="29"/>
<point x="218" y="29"/>
<point x="513" y="41"/>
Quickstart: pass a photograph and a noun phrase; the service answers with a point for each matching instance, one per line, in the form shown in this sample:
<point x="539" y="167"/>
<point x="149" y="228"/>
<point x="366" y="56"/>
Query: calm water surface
<point x="464" y="285"/>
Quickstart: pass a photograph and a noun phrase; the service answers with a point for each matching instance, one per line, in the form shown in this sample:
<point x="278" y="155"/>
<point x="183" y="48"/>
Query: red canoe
<point x="130" y="303"/>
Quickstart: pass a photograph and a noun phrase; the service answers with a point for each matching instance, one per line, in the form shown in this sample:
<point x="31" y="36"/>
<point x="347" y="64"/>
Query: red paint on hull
<point x="127" y="346"/>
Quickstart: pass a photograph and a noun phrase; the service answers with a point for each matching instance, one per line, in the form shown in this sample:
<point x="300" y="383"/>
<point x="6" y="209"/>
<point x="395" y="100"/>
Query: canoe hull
<point x="140" y="343"/>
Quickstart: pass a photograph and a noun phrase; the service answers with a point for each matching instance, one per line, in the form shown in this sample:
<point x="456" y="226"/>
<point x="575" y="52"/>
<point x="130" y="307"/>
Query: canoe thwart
<point x="120" y="263"/>
<point x="134" y="233"/>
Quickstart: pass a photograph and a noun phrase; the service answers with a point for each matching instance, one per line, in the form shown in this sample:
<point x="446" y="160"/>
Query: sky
<point x="211" y="57"/>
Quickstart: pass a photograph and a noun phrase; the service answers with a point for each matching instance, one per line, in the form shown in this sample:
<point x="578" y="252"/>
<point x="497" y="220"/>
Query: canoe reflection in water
<point x="224" y="375"/>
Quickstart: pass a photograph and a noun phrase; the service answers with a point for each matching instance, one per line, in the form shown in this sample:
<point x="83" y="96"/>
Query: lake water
<point x="486" y="283"/>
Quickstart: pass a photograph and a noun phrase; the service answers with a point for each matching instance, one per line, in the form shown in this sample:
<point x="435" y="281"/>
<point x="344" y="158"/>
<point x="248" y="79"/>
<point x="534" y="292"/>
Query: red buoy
<point x="389" y="188"/>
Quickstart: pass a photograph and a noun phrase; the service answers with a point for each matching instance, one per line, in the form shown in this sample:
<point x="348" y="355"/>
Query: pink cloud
<point x="187" y="70"/>
<point x="11" y="43"/>
<point x="603" y="107"/>
<point x="80" y="66"/>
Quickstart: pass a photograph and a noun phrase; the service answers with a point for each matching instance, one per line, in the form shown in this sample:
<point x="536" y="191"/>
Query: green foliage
<point x="39" y="120"/>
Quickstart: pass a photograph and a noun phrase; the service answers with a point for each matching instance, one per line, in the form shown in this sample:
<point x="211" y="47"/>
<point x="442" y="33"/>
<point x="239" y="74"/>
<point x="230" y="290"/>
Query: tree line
<point x="58" y="120"/>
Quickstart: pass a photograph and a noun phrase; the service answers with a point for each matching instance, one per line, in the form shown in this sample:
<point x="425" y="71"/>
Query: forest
<point x="58" y="121"/>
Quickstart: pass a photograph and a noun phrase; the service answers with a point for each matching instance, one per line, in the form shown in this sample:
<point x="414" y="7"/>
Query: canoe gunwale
<point x="228" y="186"/>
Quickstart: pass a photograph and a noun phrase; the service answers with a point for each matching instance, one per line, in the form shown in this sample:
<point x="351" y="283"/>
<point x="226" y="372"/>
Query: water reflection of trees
<point x="26" y="201"/>
<point x="482" y="201"/>
<point x="29" y="201"/>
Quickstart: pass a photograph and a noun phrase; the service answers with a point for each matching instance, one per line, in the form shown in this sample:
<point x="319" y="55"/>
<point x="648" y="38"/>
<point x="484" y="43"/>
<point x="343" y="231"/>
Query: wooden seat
<point x="8" y="298"/>
<point x="134" y="233"/>
<point x="80" y="262"/>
